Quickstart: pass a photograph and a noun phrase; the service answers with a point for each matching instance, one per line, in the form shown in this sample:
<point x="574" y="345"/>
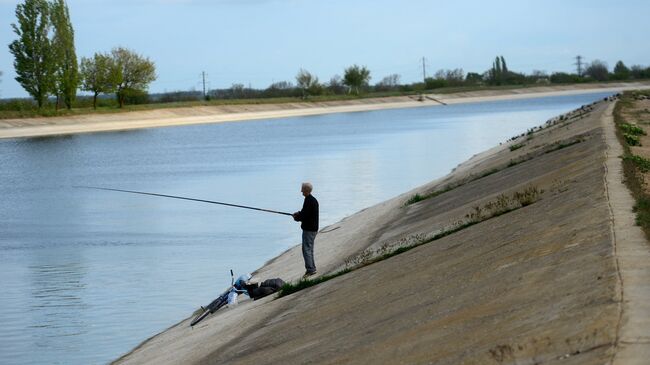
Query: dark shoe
<point x="308" y="274"/>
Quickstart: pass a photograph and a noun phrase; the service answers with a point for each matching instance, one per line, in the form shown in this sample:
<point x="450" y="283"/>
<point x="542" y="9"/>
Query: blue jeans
<point x="308" y="238"/>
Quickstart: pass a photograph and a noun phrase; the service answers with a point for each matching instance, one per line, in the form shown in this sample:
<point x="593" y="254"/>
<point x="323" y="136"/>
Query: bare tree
<point x="452" y="77"/>
<point x="335" y="85"/>
<point x="388" y="83"/>
<point x="597" y="70"/>
<point x="307" y="83"/>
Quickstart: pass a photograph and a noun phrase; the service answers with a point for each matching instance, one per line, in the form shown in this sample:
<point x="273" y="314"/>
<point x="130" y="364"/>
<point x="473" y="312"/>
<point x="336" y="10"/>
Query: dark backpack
<point x="267" y="287"/>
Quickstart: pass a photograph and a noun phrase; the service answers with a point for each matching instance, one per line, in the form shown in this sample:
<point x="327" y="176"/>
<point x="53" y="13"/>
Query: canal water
<point x="87" y="275"/>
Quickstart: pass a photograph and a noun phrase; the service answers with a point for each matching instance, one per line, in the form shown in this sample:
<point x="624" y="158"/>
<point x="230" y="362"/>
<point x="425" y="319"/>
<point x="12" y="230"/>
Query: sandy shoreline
<point x="37" y="127"/>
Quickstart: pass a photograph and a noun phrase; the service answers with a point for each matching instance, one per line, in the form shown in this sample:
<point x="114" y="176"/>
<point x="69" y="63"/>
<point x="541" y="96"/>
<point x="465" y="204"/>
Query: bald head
<point x="306" y="188"/>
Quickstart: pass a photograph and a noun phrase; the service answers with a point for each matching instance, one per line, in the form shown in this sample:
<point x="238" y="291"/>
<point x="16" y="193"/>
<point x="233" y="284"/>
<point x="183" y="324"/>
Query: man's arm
<point x="301" y="214"/>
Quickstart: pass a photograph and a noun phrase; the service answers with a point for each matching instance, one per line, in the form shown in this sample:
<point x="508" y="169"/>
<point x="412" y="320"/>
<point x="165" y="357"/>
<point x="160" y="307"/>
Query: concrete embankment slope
<point x="542" y="283"/>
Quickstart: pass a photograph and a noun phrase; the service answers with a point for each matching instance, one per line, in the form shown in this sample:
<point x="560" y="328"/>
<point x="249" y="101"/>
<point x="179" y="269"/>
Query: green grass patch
<point x="643" y="164"/>
<point x="415" y="198"/>
<point x="642" y="210"/>
<point x="418" y="198"/>
<point x="290" y="288"/>
<point x="522" y="159"/>
<point x="515" y="147"/>
<point x="488" y="173"/>
<point x="632" y="129"/>
<point x="560" y="146"/>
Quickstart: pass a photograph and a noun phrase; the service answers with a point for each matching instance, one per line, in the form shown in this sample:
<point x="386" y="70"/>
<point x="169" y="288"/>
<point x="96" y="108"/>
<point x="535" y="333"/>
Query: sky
<point x="258" y="42"/>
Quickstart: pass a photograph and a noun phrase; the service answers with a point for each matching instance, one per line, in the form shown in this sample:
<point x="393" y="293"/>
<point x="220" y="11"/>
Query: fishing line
<point x="184" y="198"/>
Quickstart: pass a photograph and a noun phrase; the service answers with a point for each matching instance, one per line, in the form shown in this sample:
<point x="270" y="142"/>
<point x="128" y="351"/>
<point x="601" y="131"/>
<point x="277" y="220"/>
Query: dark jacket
<point x="308" y="215"/>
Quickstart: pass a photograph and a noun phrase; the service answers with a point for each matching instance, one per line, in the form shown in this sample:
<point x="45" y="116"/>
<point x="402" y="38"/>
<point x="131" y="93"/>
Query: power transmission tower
<point x="203" y="75"/>
<point x="578" y="64"/>
<point x="424" y="70"/>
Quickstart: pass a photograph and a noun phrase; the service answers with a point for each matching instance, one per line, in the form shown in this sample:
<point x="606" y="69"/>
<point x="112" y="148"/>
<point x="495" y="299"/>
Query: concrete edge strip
<point x="606" y="124"/>
<point x="631" y="255"/>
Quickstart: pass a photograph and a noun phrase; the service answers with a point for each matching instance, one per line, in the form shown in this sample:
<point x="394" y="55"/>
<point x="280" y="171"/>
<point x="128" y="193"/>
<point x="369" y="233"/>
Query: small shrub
<point x="528" y="196"/>
<point x="632" y="129"/>
<point x="642" y="163"/>
<point x="642" y="210"/>
<point x="631" y="139"/>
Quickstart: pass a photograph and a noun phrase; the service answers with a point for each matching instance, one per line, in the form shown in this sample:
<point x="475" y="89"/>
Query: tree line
<point x="356" y="81"/>
<point x="46" y="63"/>
<point x="46" y="66"/>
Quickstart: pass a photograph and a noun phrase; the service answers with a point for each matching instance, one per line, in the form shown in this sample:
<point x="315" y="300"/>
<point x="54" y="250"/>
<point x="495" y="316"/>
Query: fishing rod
<point x="184" y="198"/>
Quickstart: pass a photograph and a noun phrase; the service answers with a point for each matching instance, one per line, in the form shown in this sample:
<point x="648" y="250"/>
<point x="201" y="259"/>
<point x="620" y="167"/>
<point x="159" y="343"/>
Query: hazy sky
<point x="262" y="41"/>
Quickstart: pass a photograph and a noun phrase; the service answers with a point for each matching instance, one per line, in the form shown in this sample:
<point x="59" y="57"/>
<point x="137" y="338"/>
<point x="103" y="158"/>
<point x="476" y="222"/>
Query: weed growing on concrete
<point x="418" y="198"/>
<point x="517" y="146"/>
<point x="560" y="146"/>
<point x="415" y="198"/>
<point x="290" y="288"/>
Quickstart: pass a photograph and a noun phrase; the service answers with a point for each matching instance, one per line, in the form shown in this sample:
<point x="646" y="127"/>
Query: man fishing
<point x="308" y="215"/>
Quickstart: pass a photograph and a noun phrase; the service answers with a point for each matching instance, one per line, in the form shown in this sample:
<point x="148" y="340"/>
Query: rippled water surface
<point x="87" y="275"/>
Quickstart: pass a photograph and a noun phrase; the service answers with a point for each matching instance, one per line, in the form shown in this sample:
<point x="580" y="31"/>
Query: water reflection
<point x="57" y="305"/>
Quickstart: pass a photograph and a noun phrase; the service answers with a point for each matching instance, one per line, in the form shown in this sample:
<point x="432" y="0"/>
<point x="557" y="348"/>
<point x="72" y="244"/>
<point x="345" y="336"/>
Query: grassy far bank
<point x="25" y="108"/>
<point x="632" y="119"/>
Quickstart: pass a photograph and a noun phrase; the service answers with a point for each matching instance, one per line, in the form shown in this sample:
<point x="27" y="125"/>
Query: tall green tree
<point x="621" y="72"/>
<point x="498" y="73"/>
<point x="134" y="73"/>
<point x="33" y="56"/>
<point x="504" y="67"/>
<point x="99" y="75"/>
<point x="66" y="69"/>
<point x="356" y="77"/>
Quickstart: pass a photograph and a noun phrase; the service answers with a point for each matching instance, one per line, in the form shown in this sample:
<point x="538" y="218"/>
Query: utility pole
<point x="579" y="65"/>
<point x="424" y="70"/>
